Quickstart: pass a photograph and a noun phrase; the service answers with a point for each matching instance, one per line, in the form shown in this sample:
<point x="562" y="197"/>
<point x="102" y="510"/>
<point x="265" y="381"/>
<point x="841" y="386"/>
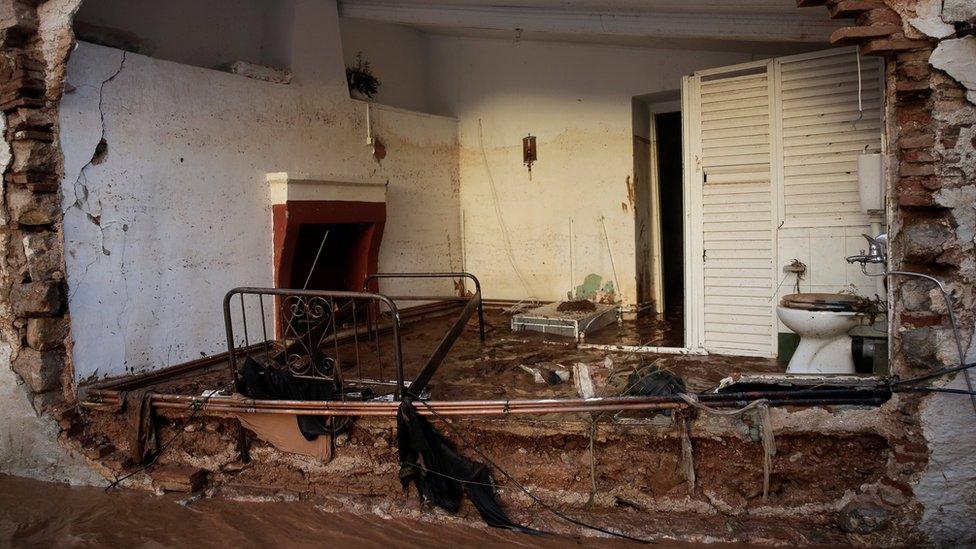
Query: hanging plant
<point x="361" y="79"/>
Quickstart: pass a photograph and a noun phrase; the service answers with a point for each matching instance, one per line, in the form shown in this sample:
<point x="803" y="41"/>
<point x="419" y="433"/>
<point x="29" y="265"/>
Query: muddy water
<point x="39" y="514"/>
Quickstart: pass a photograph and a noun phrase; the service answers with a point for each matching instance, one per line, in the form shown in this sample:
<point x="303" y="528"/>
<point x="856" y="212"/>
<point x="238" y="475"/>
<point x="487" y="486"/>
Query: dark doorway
<point x="670" y="183"/>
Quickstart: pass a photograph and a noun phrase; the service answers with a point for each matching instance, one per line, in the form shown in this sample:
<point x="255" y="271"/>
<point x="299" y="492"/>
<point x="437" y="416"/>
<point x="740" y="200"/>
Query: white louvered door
<point x="737" y="212"/>
<point x="823" y="132"/>
<point x="768" y="144"/>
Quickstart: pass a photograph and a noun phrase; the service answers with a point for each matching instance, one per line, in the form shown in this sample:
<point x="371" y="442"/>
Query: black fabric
<point x="655" y="383"/>
<point x="280" y="384"/>
<point x="441" y="476"/>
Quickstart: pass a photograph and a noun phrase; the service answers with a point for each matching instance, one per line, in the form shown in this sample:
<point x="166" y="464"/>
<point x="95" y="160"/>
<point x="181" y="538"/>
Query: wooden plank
<point x="849" y="9"/>
<point x="882" y="46"/>
<point x="859" y="35"/>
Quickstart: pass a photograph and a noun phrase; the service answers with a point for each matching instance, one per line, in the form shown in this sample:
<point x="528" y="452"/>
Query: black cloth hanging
<point x="429" y="462"/>
<point x="280" y="384"/>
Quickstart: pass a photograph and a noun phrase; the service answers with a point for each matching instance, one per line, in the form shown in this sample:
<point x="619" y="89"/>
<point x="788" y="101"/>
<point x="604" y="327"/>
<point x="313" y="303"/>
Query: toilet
<point x="822" y="321"/>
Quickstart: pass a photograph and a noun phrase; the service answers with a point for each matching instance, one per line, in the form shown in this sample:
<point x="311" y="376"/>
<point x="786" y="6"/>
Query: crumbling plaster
<point x="32" y="443"/>
<point x="932" y="225"/>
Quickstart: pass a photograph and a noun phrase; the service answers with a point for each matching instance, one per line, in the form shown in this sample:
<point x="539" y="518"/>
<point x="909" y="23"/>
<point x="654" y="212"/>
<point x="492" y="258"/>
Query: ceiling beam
<point x="761" y="27"/>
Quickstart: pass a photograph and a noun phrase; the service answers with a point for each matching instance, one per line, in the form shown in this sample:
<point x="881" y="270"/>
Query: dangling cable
<point x="860" y="103"/>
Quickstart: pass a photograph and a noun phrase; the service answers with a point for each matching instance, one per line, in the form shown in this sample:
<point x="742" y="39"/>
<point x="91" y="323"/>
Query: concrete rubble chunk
<point x="925" y="241"/>
<point x="40" y="370"/>
<point x="958" y="10"/>
<point x="45" y="334"/>
<point x="862" y="517"/>
<point x="957" y="57"/>
<point x="36" y="299"/>
<point x="43" y="253"/>
<point x="34" y="156"/>
<point x="257" y="72"/>
<point x="178" y="478"/>
<point x="920" y="348"/>
<point x="29" y="208"/>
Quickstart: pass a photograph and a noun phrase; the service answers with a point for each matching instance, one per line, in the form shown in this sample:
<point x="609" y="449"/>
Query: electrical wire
<point x="197" y="406"/>
<point x="522" y="488"/>
<point x="934" y="390"/>
<point x="933" y="375"/>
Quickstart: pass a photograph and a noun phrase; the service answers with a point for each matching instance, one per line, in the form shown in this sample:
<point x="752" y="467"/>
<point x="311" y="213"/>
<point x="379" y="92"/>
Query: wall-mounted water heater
<point x="870" y="183"/>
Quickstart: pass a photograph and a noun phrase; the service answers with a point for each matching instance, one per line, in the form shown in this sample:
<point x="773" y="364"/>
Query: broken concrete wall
<point x="576" y="100"/>
<point x="173" y="209"/>
<point x="932" y="195"/>
<point x="35" y="365"/>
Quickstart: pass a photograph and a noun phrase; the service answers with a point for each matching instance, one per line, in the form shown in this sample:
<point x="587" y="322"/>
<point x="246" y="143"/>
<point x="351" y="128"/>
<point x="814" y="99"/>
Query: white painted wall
<point x="577" y="100"/>
<point x="193" y="32"/>
<point x="823" y="250"/>
<point x="182" y="206"/>
<point x="398" y="58"/>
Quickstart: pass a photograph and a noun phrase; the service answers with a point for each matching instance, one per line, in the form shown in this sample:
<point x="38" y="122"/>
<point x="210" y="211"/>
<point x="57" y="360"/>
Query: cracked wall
<point x="164" y="205"/>
<point x="175" y="211"/>
<point x="36" y="385"/>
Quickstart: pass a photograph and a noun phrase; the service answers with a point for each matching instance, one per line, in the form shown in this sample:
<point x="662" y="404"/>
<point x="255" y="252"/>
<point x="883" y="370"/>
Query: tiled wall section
<point x="823" y="250"/>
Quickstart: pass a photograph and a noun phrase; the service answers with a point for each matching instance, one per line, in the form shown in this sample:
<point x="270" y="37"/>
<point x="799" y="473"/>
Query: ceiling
<point x="623" y="6"/>
<point x="742" y="25"/>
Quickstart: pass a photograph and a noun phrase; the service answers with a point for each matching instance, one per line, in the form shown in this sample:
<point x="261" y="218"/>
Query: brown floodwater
<point x="41" y="514"/>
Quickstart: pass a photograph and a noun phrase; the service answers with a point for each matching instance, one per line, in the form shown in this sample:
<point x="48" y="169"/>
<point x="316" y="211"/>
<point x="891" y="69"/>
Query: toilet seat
<point x="821" y="302"/>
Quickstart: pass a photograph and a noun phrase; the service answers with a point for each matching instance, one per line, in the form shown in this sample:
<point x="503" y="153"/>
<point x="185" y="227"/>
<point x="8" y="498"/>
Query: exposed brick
<point x="919" y="347"/>
<point x="911" y="193"/>
<point x="919" y="320"/>
<point x="924" y="241"/>
<point x="23" y="119"/>
<point x="31" y="208"/>
<point x="916" y="70"/>
<point x="917" y="155"/>
<point x="45" y="334"/>
<point x="879" y="15"/>
<point x="33" y="156"/>
<point x="909" y="56"/>
<point x="910" y="169"/>
<point x="16" y="14"/>
<point x="35" y="299"/>
<point x="39" y="182"/>
<point x="915" y="116"/>
<point x="953" y="256"/>
<point x="43" y="253"/>
<point x="47" y="136"/>
<point x="918" y="141"/>
<point x="949" y="137"/>
<point x="40" y="370"/>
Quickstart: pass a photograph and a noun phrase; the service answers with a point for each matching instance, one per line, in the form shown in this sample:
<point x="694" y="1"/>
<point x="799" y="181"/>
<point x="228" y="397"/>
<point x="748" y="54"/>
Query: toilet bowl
<point x="822" y="321"/>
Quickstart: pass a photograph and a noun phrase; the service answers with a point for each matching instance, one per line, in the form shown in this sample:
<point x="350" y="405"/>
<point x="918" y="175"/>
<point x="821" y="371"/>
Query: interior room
<point x="652" y="269"/>
<point x="607" y="211"/>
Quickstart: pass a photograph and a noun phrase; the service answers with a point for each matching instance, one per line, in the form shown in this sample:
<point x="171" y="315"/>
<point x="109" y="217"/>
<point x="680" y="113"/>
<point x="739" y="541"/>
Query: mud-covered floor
<point x="629" y="472"/>
<point x="504" y="366"/>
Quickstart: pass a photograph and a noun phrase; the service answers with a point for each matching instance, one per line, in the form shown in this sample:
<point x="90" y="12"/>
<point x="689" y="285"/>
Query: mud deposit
<point x="40" y="514"/>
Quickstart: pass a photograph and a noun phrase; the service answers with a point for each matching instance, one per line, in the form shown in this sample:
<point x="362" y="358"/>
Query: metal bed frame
<point x="309" y="324"/>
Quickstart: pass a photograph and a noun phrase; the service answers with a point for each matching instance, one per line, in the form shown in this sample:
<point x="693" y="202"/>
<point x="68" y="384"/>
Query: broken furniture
<point x="548" y="319"/>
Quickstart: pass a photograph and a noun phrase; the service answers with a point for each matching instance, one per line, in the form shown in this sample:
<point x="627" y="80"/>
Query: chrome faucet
<point x="877" y="251"/>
